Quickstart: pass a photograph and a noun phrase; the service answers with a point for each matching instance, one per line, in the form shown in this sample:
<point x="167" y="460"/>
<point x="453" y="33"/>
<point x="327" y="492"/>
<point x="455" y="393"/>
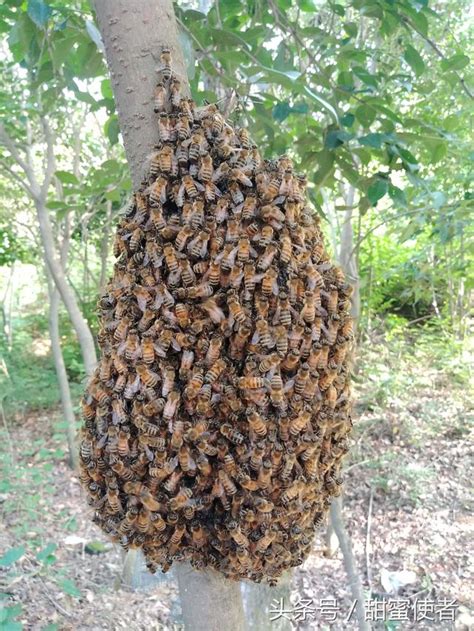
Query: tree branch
<point x="7" y="142"/>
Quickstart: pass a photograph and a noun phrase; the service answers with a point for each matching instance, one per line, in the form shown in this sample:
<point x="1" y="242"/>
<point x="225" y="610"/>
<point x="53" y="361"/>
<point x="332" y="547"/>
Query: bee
<point x="229" y="486"/>
<point x="175" y="539"/>
<point x="165" y="59"/>
<point x="171" y="405"/>
<point x="187" y="273"/>
<point x="182" y="127"/>
<point x="158" y="191"/>
<point x="239" y="340"/>
<point x="170" y="257"/>
<point x="277" y="395"/>
<point x="269" y="363"/>
<point x="198" y="535"/>
<point x="301" y="378"/>
<point x="231" y="434"/>
<point x="269" y="282"/>
<point x="308" y="312"/>
<point x="213" y="310"/>
<point x="121" y="331"/>
<point x="189" y="187"/>
<point x="249" y="207"/>
<point x="147" y="376"/>
<point x="235" y="308"/>
<point x="265" y="474"/>
<point x="237" y="535"/>
<point x="123" y="443"/>
<point x="215" y="371"/>
<point x="160" y="98"/>
<point x="286" y="247"/>
<point x="291" y="360"/>
<point x="267" y="257"/>
<point x="252" y="382"/>
<point x="206" y="169"/>
<point x="256" y="456"/>
<point x="182" y="237"/>
<point x="113" y="498"/>
<point x="299" y="423"/>
<point x="162" y="161"/>
<point x="179" y="501"/>
<point x="262" y="335"/>
<point x="347" y="329"/>
<point x="272" y="215"/>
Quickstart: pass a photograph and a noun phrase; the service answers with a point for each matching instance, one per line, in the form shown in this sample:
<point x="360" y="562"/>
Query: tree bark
<point x="134" y="33"/>
<point x="352" y="572"/>
<point x="209" y="601"/>
<point x="83" y="332"/>
<point x="61" y="374"/>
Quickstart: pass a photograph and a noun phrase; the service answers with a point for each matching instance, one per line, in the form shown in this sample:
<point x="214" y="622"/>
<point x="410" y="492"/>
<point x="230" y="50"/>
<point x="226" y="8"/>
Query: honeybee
<point x="160" y="98"/>
<point x="252" y="382"/>
<point x="231" y="434"/>
<point x="165" y="59"/>
<point x="272" y="214"/>
<point x="171" y="405"/>
<point x="206" y="169"/>
<point x="113" y="498"/>
<point x="235" y="308"/>
<point x="147" y="376"/>
<point x="215" y="371"/>
<point x="299" y="423"/>
<point x="269" y="282"/>
<point x="239" y="340"/>
<point x="213" y="310"/>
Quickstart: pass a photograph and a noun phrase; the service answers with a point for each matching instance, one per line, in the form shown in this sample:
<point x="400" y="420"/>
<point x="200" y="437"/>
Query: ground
<point x="406" y="508"/>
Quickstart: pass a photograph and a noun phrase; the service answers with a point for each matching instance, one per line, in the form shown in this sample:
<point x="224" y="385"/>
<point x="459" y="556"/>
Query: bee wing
<point x="246" y="181"/>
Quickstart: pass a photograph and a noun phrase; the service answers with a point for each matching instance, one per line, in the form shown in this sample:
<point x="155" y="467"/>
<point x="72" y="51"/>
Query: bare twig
<point x="61" y="609"/>
<point x="367" y="541"/>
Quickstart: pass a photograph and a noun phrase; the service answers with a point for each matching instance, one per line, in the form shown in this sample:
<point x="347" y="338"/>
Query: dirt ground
<point x="406" y="507"/>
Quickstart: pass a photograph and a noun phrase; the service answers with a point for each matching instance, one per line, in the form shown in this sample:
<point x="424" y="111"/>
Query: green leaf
<point x="397" y="195"/>
<point x="112" y="129"/>
<point x="281" y="111"/>
<point x="348" y="119"/>
<point x="307" y="6"/>
<point x="365" y="76"/>
<point x="106" y="89"/>
<point x="69" y="587"/>
<point x="414" y="60"/>
<point x="372" y="140"/>
<point x="365" y="114"/>
<point x="222" y="36"/>
<point x="66" y="178"/>
<point x="336" y="137"/>
<point x="351" y="29"/>
<point x="12" y="555"/>
<point x="96" y="547"/>
<point x="46" y="554"/>
<point x="377" y="190"/>
<point x="456" y="62"/>
<point x="39" y="12"/>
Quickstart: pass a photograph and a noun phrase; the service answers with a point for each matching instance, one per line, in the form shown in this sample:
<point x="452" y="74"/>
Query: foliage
<point x="28" y="380"/>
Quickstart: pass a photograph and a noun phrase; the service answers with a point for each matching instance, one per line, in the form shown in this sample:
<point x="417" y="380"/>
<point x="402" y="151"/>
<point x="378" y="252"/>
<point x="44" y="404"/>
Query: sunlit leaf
<point x="414" y="60"/>
<point x="39" y="12"/>
<point x="456" y="62"/>
<point x="377" y="190"/>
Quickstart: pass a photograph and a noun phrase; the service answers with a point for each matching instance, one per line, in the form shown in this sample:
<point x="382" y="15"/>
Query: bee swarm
<point x="217" y="419"/>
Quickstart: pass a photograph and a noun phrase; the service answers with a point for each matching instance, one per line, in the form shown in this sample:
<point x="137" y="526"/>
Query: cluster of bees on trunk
<point x="217" y="419"/>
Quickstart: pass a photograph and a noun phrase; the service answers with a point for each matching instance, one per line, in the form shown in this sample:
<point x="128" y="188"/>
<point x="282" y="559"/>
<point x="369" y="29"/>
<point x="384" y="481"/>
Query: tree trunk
<point x="134" y="33"/>
<point x="352" y="572"/>
<point x="61" y="374"/>
<point x="209" y="601"/>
